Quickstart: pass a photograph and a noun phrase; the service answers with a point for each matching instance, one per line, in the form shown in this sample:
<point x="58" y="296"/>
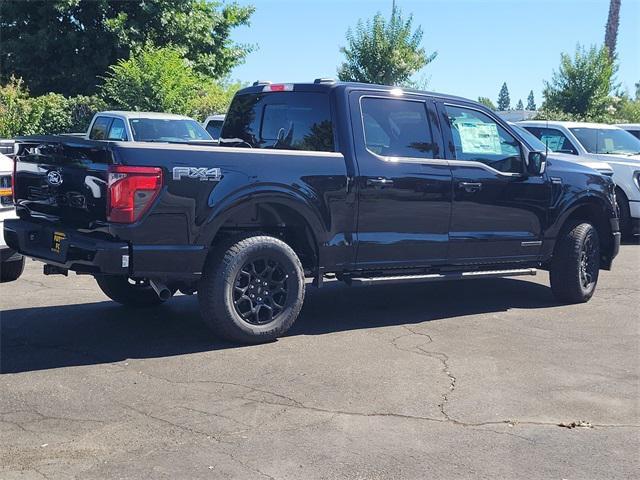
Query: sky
<point x="480" y="43"/>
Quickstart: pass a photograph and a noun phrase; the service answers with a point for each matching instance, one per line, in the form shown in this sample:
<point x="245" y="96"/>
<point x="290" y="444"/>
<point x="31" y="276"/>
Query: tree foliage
<point x="582" y="84"/>
<point x="21" y="114"/>
<point x="384" y="51"/>
<point x="161" y="80"/>
<point x="531" y="102"/>
<point x="65" y="45"/>
<point x="504" y="101"/>
<point x="486" y="101"/>
<point x="611" y="29"/>
<point x="520" y="105"/>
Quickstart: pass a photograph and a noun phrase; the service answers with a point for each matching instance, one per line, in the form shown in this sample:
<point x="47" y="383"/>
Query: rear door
<point x="403" y="181"/>
<point x="498" y="212"/>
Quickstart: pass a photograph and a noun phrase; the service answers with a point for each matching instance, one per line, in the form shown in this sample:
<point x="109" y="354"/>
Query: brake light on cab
<point x="131" y="192"/>
<point x="278" y="87"/>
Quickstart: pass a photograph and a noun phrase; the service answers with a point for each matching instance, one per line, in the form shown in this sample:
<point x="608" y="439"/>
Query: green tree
<point x="65" y="45"/>
<point x="611" y="29"/>
<point x="520" y="105"/>
<point x="160" y="79"/>
<point x="486" y="101"/>
<point x="582" y="84"/>
<point x="638" y="91"/>
<point x="384" y="51"/>
<point x="504" y="101"/>
<point x="531" y="102"/>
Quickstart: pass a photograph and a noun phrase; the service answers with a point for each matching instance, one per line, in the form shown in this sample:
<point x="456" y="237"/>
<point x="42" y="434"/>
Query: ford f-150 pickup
<point x="366" y="184"/>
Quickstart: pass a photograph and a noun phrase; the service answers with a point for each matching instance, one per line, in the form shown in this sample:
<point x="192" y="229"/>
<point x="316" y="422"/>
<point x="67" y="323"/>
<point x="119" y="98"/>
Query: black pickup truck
<point x="366" y="184"/>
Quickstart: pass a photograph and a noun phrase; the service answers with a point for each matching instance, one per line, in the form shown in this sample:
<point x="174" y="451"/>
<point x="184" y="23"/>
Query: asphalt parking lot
<point x="458" y="380"/>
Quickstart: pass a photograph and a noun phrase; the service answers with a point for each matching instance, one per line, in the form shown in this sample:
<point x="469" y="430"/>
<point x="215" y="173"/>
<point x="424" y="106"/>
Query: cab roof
<point x="130" y="115"/>
<point x="326" y="85"/>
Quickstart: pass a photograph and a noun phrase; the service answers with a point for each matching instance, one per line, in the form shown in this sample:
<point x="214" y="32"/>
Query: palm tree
<point x="611" y="30"/>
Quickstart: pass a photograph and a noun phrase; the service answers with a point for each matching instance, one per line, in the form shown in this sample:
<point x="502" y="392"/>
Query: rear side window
<point x="397" y="128"/>
<point x="100" y="128"/>
<point x="214" y="127"/>
<point x="282" y="120"/>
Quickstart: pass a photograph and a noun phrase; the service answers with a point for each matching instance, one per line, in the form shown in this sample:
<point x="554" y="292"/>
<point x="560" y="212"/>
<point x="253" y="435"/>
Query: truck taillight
<point x="131" y="191"/>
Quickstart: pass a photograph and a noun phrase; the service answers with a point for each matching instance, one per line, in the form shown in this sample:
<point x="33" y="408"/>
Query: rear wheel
<point x="576" y="264"/>
<point x="127" y="291"/>
<point x="11" y="271"/>
<point x="252" y="289"/>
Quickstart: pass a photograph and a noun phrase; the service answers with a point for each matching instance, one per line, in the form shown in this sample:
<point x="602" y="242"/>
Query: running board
<point x="437" y="277"/>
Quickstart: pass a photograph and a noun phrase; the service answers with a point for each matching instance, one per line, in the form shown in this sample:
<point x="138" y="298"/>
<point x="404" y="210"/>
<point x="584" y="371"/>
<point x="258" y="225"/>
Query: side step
<point x="437" y="277"/>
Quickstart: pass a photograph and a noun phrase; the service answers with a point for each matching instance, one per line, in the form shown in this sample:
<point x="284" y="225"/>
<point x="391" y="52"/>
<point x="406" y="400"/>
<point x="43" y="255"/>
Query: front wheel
<point x="576" y="264"/>
<point x="252" y="289"/>
<point x="11" y="271"/>
<point x="127" y="291"/>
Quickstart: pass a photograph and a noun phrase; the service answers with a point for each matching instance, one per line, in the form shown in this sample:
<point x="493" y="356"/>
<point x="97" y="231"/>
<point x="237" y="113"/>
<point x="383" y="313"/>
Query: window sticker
<point x="477" y="137"/>
<point x="117" y="132"/>
<point x="608" y="145"/>
<point x="553" y="142"/>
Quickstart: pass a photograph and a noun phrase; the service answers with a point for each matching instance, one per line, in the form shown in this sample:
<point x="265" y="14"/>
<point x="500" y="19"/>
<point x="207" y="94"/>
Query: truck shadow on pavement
<point x="104" y="332"/>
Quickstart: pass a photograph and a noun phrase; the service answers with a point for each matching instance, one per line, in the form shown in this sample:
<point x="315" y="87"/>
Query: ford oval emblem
<point x="54" y="178"/>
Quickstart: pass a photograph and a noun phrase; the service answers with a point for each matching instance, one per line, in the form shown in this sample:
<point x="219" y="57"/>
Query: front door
<point x="403" y="181"/>
<point x="499" y="211"/>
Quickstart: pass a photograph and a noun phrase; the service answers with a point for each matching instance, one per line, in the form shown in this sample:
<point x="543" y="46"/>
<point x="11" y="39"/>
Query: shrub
<point x="212" y="99"/>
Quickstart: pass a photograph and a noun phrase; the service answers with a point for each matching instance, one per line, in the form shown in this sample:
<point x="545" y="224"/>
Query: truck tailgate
<point x="63" y="177"/>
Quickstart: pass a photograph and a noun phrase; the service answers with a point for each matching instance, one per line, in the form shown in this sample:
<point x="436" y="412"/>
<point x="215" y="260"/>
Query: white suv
<point x="12" y="262"/>
<point x="608" y="143"/>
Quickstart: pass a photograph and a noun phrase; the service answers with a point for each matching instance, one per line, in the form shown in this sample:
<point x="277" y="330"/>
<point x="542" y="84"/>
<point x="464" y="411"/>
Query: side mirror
<point x="536" y="163"/>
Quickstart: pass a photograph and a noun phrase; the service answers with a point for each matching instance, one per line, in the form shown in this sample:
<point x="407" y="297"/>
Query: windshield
<point x="607" y="141"/>
<point x="530" y="138"/>
<point x="167" y="130"/>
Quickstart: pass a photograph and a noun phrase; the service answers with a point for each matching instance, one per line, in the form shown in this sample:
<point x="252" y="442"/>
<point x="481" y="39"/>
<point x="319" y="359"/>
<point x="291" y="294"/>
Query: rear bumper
<point x="84" y="253"/>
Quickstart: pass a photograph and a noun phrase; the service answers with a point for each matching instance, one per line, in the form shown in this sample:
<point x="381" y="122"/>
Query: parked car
<point x="368" y="183"/>
<point x="602" y="167"/>
<point x="145" y="127"/>
<point x="632" y="128"/>
<point x="213" y="125"/>
<point x="12" y="263"/>
<point x="607" y="143"/>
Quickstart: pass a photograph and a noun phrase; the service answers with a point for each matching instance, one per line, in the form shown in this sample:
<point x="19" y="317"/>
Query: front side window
<point x="280" y="120"/>
<point x="397" y="128"/>
<point x="478" y="138"/>
<point x="99" y="128"/>
<point x="117" y="130"/>
<point x="554" y="139"/>
<point x="607" y="141"/>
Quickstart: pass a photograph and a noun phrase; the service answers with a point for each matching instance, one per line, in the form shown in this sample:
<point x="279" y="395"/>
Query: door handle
<point x="470" y="187"/>
<point x="379" y="182"/>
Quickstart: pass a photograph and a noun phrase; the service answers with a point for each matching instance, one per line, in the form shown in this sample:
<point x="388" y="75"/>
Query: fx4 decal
<point x="202" y="173"/>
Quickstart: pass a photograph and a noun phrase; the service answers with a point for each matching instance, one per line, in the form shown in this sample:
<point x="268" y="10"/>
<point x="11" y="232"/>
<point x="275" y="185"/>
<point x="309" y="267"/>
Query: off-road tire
<point x="120" y="290"/>
<point x="567" y="282"/>
<point x="220" y="278"/>
<point x="11" y="271"/>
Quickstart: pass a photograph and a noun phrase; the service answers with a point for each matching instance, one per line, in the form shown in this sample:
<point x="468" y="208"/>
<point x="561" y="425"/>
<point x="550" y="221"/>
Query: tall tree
<point x="638" y="91"/>
<point x="486" y="101"/>
<point x="520" y="105"/>
<point x="66" y="45"/>
<point x="531" y="103"/>
<point x="384" y="51"/>
<point x="611" y="30"/>
<point x="504" y="101"/>
<point x="582" y="84"/>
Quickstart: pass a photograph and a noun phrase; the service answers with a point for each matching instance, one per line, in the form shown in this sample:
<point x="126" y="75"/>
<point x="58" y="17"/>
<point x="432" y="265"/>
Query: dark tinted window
<point x="214" y="127"/>
<point x="479" y="138"/>
<point x="554" y="139"/>
<point x="117" y="130"/>
<point x="397" y="128"/>
<point x="283" y="120"/>
<point x="100" y="128"/>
